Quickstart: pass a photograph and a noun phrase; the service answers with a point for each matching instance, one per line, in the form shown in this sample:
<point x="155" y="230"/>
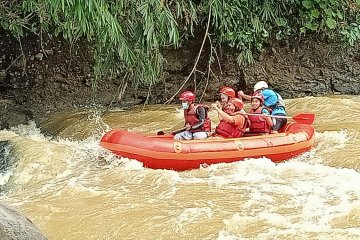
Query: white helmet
<point x="260" y="85"/>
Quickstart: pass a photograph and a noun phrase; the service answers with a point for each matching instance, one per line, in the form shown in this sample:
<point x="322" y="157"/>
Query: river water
<point x="71" y="188"/>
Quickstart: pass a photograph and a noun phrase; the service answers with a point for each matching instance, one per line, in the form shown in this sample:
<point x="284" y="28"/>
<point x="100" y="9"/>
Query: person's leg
<point x="185" y="135"/>
<point x="200" y="135"/>
<point x="278" y="123"/>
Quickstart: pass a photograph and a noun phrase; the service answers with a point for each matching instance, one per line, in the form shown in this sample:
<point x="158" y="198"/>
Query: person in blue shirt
<point x="272" y="100"/>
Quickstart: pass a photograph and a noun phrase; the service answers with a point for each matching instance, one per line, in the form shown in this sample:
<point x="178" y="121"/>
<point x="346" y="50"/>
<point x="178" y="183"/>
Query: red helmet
<point x="258" y="96"/>
<point x="187" y="96"/>
<point x="237" y="102"/>
<point x="228" y="91"/>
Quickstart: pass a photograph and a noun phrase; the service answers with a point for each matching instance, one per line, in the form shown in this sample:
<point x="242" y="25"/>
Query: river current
<point x="71" y="188"/>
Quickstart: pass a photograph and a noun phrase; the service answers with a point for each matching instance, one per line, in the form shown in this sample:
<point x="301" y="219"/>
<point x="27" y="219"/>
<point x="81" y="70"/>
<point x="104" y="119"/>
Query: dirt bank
<point x="38" y="78"/>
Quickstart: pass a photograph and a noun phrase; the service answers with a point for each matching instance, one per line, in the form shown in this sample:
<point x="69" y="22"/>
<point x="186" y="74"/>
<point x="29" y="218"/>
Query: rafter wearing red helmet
<point x="226" y="94"/>
<point x="259" y="124"/>
<point x="197" y="122"/>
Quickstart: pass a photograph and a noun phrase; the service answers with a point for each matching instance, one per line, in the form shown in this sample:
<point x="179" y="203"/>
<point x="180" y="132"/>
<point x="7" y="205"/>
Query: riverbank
<point x="43" y="77"/>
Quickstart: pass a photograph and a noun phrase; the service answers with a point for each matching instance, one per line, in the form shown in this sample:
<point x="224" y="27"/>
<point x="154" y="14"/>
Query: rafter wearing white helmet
<point x="260" y="86"/>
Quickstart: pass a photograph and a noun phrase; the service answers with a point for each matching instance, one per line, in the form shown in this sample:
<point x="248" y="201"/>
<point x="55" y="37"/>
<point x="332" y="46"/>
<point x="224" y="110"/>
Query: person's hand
<point x="188" y="126"/>
<point x="261" y="118"/>
<point x="215" y="106"/>
<point x="240" y="94"/>
<point x="218" y="104"/>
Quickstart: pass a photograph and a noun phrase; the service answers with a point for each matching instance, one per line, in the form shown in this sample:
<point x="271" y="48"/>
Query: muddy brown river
<point x="73" y="189"/>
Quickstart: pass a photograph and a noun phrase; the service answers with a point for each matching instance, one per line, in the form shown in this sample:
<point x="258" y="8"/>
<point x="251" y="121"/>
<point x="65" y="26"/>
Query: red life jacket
<point x="230" y="130"/>
<point x="258" y="123"/>
<point x="192" y="118"/>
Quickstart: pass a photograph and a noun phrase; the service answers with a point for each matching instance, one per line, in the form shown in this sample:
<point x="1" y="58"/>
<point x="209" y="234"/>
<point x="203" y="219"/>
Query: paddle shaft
<point x="263" y="115"/>
<point x="305" y="118"/>
<point x="172" y="133"/>
<point x="178" y="131"/>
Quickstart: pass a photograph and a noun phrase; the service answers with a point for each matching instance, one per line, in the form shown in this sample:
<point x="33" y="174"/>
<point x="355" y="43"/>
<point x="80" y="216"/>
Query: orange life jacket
<point x="258" y="124"/>
<point x="192" y="118"/>
<point x="230" y="130"/>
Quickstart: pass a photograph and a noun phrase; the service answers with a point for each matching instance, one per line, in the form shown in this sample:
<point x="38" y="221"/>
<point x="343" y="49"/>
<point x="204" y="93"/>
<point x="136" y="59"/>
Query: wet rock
<point x="2" y="75"/>
<point x="14" y="226"/>
<point x="49" y="52"/>
<point x="39" y="56"/>
<point x="260" y="58"/>
<point x="4" y="155"/>
<point x="295" y="74"/>
<point x="351" y="86"/>
<point x="12" y="114"/>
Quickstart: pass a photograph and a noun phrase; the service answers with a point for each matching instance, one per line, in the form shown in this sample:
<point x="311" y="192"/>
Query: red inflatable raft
<point x="162" y="152"/>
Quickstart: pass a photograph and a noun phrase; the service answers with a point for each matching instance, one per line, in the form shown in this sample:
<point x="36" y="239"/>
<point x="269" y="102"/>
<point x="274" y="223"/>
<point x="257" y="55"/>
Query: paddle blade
<point x="305" y="118"/>
<point x="160" y="133"/>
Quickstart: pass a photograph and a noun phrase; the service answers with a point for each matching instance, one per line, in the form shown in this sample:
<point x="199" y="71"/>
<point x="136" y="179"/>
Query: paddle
<point x="304" y="118"/>
<point x="172" y="133"/>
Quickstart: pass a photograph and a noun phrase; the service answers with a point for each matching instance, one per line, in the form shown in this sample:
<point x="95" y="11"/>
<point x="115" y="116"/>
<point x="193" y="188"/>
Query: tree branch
<point x="209" y="69"/>
<point x="117" y="93"/>
<point x="197" y="58"/>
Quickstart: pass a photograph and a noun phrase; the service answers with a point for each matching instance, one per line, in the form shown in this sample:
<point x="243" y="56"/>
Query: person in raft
<point x="232" y="122"/>
<point x="197" y="122"/>
<point x="226" y="94"/>
<point x="259" y="124"/>
<point x="273" y="101"/>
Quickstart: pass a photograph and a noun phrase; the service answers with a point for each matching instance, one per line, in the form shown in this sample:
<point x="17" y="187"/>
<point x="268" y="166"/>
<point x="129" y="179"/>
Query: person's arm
<point x="241" y="95"/>
<point x="268" y="119"/>
<point x="185" y="123"/>
<point x="219" y="105"/>
<point x="223" y="115"/>
<point x="239" y="120"/>
<point x="201" y="113"/>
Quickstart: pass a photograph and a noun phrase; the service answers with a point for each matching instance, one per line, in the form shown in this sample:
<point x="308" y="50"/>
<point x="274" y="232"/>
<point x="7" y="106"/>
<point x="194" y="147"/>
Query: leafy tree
<point x="128" y="35"/>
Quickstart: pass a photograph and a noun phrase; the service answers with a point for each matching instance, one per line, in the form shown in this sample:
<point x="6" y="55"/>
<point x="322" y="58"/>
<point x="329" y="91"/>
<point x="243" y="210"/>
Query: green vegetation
<point x="127" y="35"/>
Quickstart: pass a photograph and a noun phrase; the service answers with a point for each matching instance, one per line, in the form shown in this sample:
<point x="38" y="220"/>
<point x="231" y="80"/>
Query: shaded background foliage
<point x="127" y="36"/>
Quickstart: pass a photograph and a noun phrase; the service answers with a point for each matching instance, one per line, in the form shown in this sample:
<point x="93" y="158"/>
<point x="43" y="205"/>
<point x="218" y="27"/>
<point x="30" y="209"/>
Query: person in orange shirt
<point x="232" y="122"/>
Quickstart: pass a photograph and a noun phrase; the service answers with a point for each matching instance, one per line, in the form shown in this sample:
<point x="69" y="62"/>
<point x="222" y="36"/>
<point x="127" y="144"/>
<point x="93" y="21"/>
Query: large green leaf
<point x="331" y="23"/>
<point x="339" y="15"/>
<point x="314" y="13"/>
<point x="329" y="12"/>
<point x="280" y="22"/>
<point x="311" y="26"/>
<point x="307" y="4"/>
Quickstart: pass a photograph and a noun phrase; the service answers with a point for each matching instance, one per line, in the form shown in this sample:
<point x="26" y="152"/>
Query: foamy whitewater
<point x="71" y="188"/>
